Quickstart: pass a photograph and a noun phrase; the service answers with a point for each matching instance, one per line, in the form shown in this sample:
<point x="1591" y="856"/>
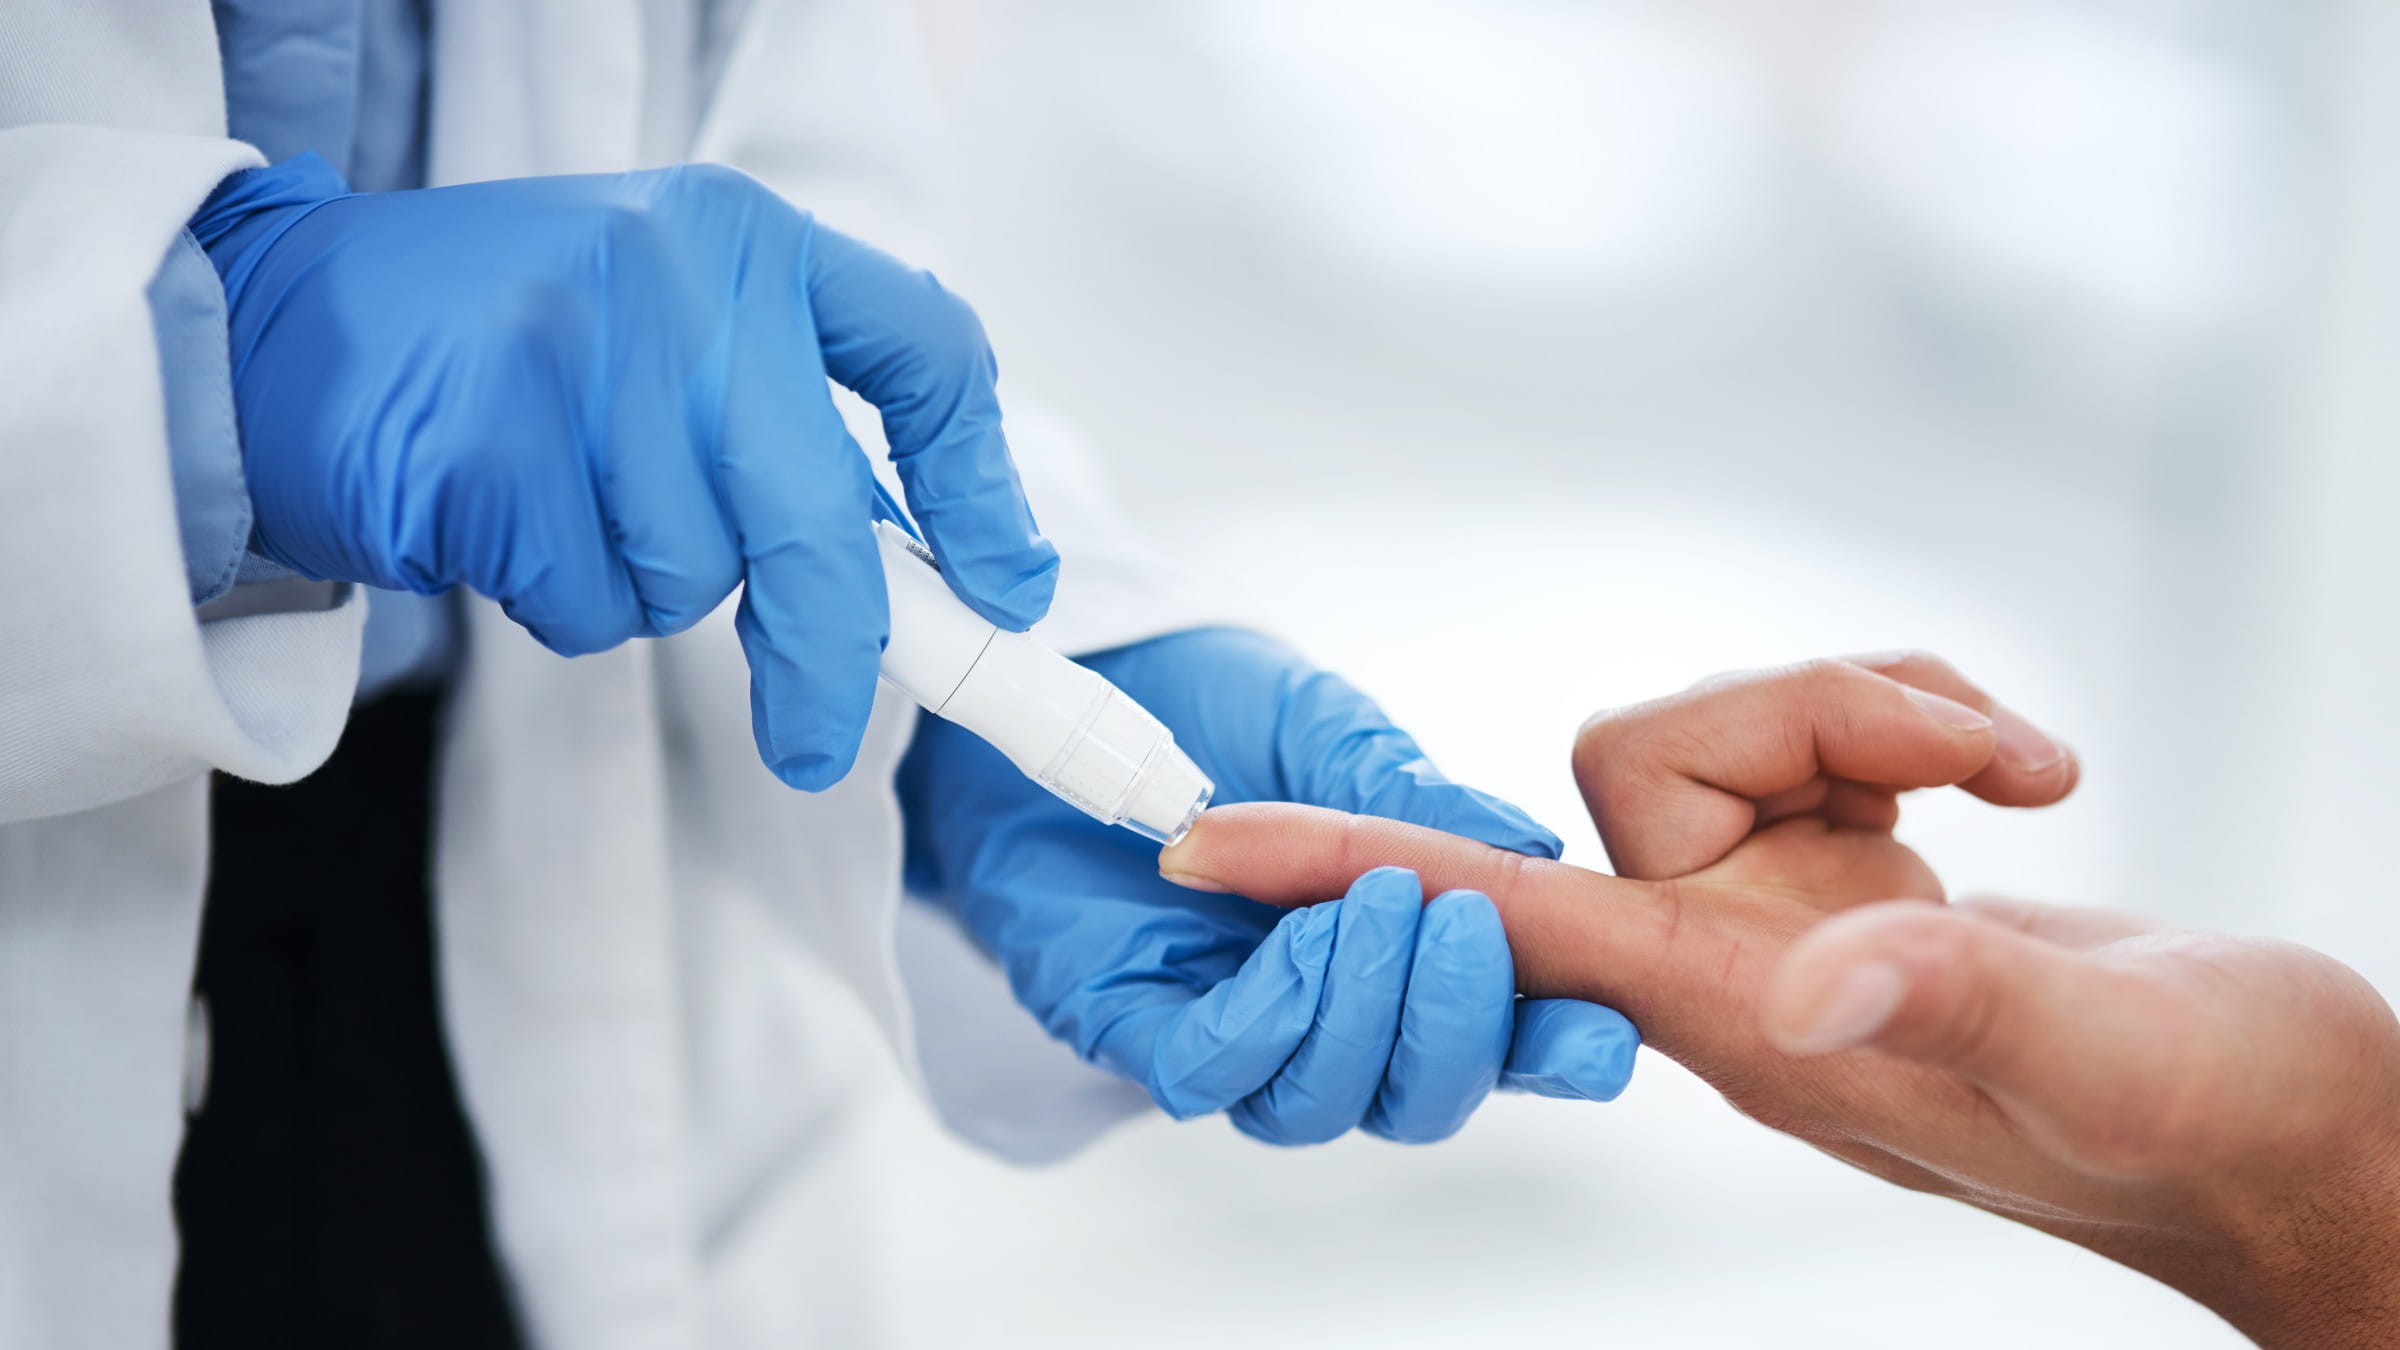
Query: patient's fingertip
<point x="2004" y="784"/>
<point x="2026" y="748"/>
<point x="1197" y="859"/>
<point x="2073" y="777"/>
<point x="1278" y="852"/>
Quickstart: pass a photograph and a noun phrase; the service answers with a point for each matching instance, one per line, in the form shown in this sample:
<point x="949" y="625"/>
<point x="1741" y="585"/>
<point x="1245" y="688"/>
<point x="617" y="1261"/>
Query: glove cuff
<point x="249" y="209"/>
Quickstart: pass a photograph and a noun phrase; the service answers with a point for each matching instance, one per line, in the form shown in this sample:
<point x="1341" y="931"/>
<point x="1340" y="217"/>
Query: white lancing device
<point x="1067" y="728"/>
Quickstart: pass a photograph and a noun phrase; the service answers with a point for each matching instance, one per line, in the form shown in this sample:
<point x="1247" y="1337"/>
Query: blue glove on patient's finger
<point x="601" y="401"/>
<point x="1375" y="1011"/>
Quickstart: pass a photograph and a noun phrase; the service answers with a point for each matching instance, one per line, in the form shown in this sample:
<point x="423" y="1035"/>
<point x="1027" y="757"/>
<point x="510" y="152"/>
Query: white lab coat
<point x="653" y="956"/>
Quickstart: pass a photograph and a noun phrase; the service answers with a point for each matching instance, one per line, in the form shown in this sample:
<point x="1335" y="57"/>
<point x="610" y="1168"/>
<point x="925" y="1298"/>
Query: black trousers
<point x="329" y="1193"/>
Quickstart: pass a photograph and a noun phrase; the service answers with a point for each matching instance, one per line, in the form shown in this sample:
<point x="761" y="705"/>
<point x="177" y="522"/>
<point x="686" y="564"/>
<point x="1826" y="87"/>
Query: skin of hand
<point x="2221" y="1113"/>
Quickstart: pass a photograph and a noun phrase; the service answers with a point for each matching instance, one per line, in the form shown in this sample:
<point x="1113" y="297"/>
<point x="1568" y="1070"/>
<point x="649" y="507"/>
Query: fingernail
<point x="1194" y="883"/>
<point x="1170" y="868"/>
<point x="1857" y="1005"/>
<point x="1949" y="712"/>
<point x="2022" y="746"/>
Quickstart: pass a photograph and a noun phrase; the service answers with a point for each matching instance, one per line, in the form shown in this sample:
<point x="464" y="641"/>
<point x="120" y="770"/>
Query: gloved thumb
<point x="2057" y="1038"/>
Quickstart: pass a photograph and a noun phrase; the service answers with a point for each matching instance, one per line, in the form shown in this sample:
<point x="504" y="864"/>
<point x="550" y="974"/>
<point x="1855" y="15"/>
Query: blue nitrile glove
<point x="1374" y="1011"/>
<point x="601" y="401"/>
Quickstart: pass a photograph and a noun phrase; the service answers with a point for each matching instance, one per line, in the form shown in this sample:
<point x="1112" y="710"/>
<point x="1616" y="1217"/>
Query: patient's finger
<point x="1836" y="801"/>
<point x="1674" y="784"/>
<point x="1673" y="967"/>
<point x="2029" y="766"/>
<point x="1291" y="855"/>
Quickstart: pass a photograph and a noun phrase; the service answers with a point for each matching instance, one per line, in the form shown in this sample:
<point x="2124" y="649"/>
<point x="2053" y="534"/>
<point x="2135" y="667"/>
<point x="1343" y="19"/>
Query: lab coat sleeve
<point x="111" y="685"/>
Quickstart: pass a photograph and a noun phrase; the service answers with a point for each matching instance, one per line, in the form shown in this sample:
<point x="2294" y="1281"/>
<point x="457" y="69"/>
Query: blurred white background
<point x="1521" y="357"/>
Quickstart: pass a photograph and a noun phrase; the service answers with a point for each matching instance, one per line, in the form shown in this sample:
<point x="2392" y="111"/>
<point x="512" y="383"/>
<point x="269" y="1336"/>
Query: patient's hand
<point x="2222" y="1113"/>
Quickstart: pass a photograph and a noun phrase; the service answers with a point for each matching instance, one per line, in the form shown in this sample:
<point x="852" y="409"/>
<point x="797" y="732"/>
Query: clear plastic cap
<point x="1167" y="795"/>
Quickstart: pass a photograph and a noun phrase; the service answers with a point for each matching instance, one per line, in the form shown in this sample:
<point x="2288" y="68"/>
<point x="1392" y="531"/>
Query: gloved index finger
<point x="800" y="496"/>
<point x="1335" y="747"/>
<point x="892" y="334"/>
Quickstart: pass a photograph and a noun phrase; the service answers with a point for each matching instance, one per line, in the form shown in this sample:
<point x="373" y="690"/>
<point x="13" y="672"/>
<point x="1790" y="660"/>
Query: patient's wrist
<point x="2317" y="1263"/>
<point x="2291" y="1261"/>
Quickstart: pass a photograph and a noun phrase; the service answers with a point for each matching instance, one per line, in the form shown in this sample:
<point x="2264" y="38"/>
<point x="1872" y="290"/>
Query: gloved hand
<point x="1374" y="1011"/>
<point x="601" y="401"/>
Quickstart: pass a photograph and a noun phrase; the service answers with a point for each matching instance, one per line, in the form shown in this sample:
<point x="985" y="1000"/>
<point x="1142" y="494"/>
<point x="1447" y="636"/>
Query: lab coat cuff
<point x="212" y="499"/>
<point x="110" y="685"/>
<point x="990" y="1073"/>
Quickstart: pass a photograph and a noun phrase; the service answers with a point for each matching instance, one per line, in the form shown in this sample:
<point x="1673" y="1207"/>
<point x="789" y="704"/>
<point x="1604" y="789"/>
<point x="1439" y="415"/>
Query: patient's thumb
<point x="2039" y="1026"/>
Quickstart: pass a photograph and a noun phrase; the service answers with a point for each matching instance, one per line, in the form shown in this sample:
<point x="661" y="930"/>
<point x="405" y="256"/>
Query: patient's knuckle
<point x="1831" y="682"/>
<point x="1352" y="845"/>
<point x="1638" y="783"/>
<point x="1674" y="904"/>
<point x="1595" y="747"/>
<point x="1507" y="871"/>
<point x="1602" y="748"/>
<point x="1898" y="661"/>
